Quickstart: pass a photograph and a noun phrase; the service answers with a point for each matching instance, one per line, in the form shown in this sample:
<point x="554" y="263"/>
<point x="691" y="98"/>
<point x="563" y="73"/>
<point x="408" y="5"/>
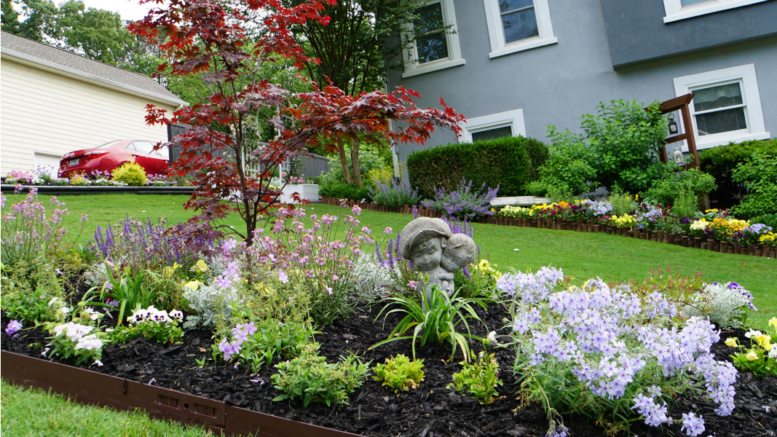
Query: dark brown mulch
<point x="431" y="410"/>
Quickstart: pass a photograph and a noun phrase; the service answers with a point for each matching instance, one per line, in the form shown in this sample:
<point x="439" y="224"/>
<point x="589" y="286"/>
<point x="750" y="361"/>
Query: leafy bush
<point x="760" y="175"/>
<point x="479" y="379"/>
<point x="462" y="202"/>
<point x="435" y="319"/>
<point x="767" y="219"/>
<point x="394" y="194"/>
<point x="32" y="292"/>
<point x="399" y="373"/>
<point x="720" y="162"/>
<point x="668" y="189"/>
<point x="510" y="162"/>
<point x="566" y="173"/>
<point x="622" y="143"/>
<point x="344" y="191"/>
<point x="383" y="175"/>
<point x="309" y="378"/>
<point x="622" y="204"/>
<point x="131" y="174"/>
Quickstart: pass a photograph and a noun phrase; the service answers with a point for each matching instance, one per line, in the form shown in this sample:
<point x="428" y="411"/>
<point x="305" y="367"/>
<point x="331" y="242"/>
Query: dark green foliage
<point x="767" y="219"/>
<point x="720" y="162"/>
<point x="667" y="190"/>
<point x="759" y="174"/>
<point x="510" y="162"/>
<point x="344" y="191"/>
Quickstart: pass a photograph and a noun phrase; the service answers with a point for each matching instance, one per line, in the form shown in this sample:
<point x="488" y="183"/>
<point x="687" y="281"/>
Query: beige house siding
<point x="52" y="113"/>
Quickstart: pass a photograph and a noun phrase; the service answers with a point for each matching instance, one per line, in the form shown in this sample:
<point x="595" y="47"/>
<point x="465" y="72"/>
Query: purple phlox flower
<point x="257" y="380"/>
<point x="13" y="327"/>
<point x="412" y="285"/>
<point x="329" y="290"/>
<point x="654" y="414"/>
<point x="283" y="277"/>
<point x="229" y="349"/>
<point x="692" y="425"/>
<point x="112" y="302"/>
<point x="560" y="431"/>
<point x="388" y="231"/>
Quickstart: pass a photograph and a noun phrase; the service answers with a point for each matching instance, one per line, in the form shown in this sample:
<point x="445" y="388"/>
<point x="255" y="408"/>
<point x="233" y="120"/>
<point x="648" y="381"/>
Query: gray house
<point x="516" y="66"/>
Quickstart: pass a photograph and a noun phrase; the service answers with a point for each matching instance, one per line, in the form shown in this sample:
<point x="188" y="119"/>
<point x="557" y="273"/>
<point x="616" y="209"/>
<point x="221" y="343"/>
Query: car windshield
<point x="108" y="144"/>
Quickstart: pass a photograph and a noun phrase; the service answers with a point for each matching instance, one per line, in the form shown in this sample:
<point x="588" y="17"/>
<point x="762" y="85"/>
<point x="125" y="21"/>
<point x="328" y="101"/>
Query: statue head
<point x="458" y="251"/>
<point x="422" y="242"/>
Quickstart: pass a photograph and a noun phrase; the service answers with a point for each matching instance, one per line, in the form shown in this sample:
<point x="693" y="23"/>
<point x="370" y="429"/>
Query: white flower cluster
<point x="152" y="314"/>
<point x="78" y="334"/>
<point x="724" y="304"/>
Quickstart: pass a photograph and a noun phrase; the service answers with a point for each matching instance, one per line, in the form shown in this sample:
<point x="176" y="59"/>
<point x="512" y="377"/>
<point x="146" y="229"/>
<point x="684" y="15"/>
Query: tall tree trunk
<point x="344" y="163"/>
<point x="357" y="173"/>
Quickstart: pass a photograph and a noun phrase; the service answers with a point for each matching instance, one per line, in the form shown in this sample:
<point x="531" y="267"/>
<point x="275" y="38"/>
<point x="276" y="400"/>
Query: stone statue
<point x="435" y="252"/>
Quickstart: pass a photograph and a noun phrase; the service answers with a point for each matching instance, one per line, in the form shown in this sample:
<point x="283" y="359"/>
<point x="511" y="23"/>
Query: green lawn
<point x="581" y="255"/>
<point x="38" y="413"/>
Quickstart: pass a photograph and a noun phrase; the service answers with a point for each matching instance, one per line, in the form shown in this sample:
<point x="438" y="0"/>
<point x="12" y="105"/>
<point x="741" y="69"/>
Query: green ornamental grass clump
<point x="399" y="373"/>
<point x="479" y="379"/>
<point x="131" y="174"/>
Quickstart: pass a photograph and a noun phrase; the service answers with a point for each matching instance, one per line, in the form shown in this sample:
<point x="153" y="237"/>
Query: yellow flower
<point x="493" y="210"/>
<point x="751" y="356"/>
<point x="200" y="266"/>
<point x="765" y="341"/>
<point x="731" y="342"/>
<point x="192" y="285"/>
<point x="167" y="272"/>
<point x="773" y="322"/>
<point x="484" y="265"/>
<point x="636" y="197"/>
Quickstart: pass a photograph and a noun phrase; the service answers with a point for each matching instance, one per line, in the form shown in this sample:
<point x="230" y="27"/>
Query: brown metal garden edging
<point x="60" y="190"/>
<point x="88" y="387"/>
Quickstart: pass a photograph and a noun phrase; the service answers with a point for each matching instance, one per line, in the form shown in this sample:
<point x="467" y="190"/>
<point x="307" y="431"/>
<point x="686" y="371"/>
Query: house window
<point x="435" y="43"/>
<point x="726" y="106"/>
<point x="683" y="9"/>
<point x="518" y="25"/>
<point x="487" y="127"/>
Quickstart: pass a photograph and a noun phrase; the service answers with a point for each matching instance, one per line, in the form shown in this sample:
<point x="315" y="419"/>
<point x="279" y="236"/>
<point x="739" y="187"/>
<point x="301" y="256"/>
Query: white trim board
<point x="454" y="59"/>
<point x="499" y="47"/>
<point x="513" y="118"/>
<point x="675" y="10"/>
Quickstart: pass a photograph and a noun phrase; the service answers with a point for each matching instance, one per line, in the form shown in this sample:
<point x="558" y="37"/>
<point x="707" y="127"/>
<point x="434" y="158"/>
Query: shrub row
<point x="510" y="162"/>
<point x="720" y="162"/>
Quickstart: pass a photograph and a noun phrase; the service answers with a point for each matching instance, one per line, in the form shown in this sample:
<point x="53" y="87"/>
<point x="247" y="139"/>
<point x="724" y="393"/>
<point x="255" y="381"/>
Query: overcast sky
<point x="128" y="9"/>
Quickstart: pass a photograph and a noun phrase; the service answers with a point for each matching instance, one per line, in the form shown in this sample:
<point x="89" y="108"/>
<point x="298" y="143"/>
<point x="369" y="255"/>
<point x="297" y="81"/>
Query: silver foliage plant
<point x="209" y="302"/>
<point x="371" y="280"/>
<point x="724" y="304"/>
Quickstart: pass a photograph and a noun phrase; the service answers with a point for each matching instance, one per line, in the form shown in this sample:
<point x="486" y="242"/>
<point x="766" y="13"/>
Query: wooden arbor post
<point x="682" y="103"/>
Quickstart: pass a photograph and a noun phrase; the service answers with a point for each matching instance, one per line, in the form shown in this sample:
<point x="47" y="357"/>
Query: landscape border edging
<point x="89" y="387"/>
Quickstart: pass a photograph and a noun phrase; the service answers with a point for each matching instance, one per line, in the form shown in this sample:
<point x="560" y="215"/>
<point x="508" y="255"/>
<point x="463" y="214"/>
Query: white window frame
<point x="675" y="10"/>
<point x="745" y="76"/>
<point x="513" y="118"/>
<point x="497" y="36"/>
<point x="454" y="59"/>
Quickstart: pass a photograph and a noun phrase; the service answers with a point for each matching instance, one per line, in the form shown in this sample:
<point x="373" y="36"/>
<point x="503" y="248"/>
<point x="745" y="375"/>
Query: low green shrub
<point x="479" y="379"/>
<point x="720" y="162"/>
<point x="399" y="373"/>
<point x="759" y="174"/>
<point x="31" y="292"/>
<point x="565" y="174"/>
<point x="344" y="191"/>
<point x="509" y="162"/>
<point x="309" y="378"/>
<point x="130" y="173"/>
<point x="668" y="189"/>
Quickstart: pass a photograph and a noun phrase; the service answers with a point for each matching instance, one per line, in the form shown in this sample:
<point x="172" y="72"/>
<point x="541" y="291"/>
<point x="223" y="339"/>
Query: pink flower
<point x="388" y="231"/>
<point x="412" y="284"/>
<point x="335" y="277"/>
<point x="329" y="289"/>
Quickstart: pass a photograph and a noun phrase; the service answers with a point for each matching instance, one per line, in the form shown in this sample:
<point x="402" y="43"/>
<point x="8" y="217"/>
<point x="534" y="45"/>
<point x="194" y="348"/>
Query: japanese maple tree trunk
<point x="344" y="163"/>
<point x="357" y="170"/>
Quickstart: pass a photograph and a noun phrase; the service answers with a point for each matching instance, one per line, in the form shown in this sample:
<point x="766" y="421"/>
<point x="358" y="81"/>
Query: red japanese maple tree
<point x="209" y="38"/>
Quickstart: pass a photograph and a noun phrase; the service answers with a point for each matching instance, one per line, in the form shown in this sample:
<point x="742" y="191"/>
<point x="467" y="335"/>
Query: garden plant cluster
<point x="627" y="350"/>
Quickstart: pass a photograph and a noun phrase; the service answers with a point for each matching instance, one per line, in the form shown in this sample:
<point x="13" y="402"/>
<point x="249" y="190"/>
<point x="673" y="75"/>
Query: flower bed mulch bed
<point x="431" y="410"/>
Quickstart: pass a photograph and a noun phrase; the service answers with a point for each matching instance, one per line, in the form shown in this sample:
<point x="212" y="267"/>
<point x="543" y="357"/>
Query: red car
<point x="112" y="155"/>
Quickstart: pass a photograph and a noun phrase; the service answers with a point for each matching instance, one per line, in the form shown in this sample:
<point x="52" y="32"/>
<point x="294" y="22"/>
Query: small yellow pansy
<point x="192" y="285"/>
<point x="731" y="342"/>
<point x="773" y="322"/>
<point x="751" y="356"/>
<point x="765" y="341"/>
<point x="200" y="266"/>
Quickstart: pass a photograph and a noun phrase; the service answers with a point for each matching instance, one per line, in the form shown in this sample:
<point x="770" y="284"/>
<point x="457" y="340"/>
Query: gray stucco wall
<point x="556" y="84"/>
<point x="636" y="30"/>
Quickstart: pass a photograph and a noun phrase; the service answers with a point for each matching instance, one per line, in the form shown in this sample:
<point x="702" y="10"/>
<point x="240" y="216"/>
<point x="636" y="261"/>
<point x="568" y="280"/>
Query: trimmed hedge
<point x="510" y="162"/>
<point x="721" y="161"/>
<point x="344" y="191"/>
